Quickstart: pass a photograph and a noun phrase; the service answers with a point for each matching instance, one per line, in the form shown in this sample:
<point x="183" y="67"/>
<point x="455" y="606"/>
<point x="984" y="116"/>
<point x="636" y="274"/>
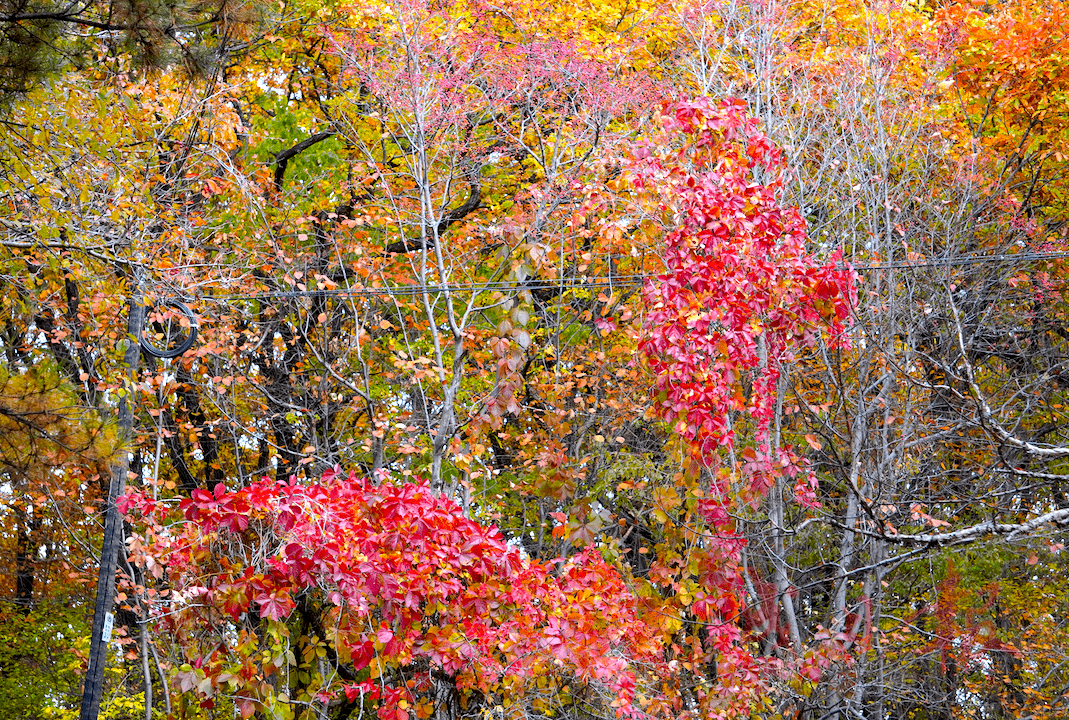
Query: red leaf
<point x="275" y="606"/>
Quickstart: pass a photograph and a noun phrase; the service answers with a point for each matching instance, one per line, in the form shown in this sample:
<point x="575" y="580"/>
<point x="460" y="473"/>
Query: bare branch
<point x="988" y="418"/>
<point x="980" y="531"/>
<point x="284" y="156"/>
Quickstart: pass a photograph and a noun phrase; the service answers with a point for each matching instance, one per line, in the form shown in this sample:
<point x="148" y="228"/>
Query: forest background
<point x="587" y="360"/>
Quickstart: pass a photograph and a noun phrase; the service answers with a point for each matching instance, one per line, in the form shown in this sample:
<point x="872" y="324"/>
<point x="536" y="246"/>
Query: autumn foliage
<point x="411" y="597"/>
<point x="588" y="360"/>
<point x="740" y="296"/>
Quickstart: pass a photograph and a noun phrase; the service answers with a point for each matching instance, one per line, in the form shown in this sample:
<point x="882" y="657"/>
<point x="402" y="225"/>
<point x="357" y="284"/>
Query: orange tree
<point x="45" y="524"/>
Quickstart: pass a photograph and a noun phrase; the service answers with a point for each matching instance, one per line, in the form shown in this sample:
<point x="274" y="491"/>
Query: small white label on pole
<point x="109" y="623"/>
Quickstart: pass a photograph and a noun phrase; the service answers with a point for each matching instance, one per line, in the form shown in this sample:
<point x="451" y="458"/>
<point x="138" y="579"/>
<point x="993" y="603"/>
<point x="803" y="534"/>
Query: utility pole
<point x="103" y="618"/>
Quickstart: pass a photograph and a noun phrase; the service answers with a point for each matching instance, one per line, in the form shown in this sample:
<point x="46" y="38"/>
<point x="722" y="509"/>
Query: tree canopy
<point x="532" y="359"/>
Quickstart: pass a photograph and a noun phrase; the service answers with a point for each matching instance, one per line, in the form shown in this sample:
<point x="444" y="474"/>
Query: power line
<point x="590" y="283"/>
<point x="965" y="260"/>
<point x="607" y="282"/>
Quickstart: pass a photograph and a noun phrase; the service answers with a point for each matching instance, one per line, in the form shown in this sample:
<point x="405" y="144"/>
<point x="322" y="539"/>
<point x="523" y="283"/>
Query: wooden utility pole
<point x="103" y="618"/>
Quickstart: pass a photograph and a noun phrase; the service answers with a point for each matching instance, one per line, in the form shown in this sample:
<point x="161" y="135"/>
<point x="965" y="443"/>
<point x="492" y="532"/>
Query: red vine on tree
<point x="741" y="294"/>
